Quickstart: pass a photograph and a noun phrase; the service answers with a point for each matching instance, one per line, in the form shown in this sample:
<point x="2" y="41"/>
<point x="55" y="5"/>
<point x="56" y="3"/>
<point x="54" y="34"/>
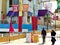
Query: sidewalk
<point x="23" y="41"/>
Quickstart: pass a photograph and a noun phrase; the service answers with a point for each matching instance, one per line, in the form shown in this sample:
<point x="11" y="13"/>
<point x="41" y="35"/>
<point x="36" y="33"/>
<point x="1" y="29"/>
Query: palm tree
<point x="47" y="19"/>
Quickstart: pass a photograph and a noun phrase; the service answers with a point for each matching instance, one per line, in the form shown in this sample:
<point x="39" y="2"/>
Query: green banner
<point x="58" y="5"/>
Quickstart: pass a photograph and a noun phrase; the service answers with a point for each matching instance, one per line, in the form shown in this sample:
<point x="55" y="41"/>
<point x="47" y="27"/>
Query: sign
<point x="42" y="12"/>
<point x="15" y="8"/>
<point x="25" y="7"/>
<point x="28" y="37"/>
<point x="35" y="38"/>
<point x="55" y="17"/>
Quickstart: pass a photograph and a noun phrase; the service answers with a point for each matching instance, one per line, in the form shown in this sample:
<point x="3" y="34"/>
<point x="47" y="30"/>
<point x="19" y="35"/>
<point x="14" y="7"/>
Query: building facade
<point x="34" y="6"/>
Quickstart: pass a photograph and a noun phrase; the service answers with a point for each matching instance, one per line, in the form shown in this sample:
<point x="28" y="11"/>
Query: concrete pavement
<point x="23" y="41"/>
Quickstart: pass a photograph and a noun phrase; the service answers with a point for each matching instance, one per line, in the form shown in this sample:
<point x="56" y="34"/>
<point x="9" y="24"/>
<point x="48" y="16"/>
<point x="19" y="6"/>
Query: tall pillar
<point x="34" y="18"/>
<point x="20" y="17"/>
<point x="4" y="10"/>
<point x="0" y="8"/>
<point x="4" y="6"/>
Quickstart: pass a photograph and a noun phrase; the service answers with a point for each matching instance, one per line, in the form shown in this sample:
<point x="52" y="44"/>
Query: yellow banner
<point x="20" y="7"/>
<point x="25" y="7"/>
<point x="20" y="13"/>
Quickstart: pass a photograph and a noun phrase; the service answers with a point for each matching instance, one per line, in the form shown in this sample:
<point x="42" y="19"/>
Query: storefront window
<point x="10" y="3"/>
<point x="13" y="2"/>
<point x="28" y="19"/>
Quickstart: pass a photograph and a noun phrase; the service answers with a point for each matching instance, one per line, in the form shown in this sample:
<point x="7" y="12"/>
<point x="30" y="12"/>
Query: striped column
<point x="20" y="17"/>
<point x="34" y="23"/>
<point x="34" y="18"/>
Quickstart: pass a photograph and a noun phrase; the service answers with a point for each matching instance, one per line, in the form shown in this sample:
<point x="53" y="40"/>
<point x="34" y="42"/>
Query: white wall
<point x="52" y="5"/>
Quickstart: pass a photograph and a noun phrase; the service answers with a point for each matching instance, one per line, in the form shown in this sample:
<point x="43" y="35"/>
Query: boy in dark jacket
<point x="53" y="33"/>
<point x="53" y="40"/>
<point x="43" y="33"/>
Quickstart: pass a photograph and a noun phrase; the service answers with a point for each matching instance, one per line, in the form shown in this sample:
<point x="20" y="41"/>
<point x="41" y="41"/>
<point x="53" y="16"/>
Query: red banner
<point x="20" y="24"/>
<point x="11" y="29"/>
<point x="34" y="23"/>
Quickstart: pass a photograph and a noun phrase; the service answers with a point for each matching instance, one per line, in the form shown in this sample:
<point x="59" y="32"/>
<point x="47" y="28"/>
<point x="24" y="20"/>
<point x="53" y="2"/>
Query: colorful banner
<point x="25" y="7"/>
<point x="55" y="17"/>
<point x="15" y="8"/>
<point x="20" y="13"/>
<point x="42" y="12"/>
